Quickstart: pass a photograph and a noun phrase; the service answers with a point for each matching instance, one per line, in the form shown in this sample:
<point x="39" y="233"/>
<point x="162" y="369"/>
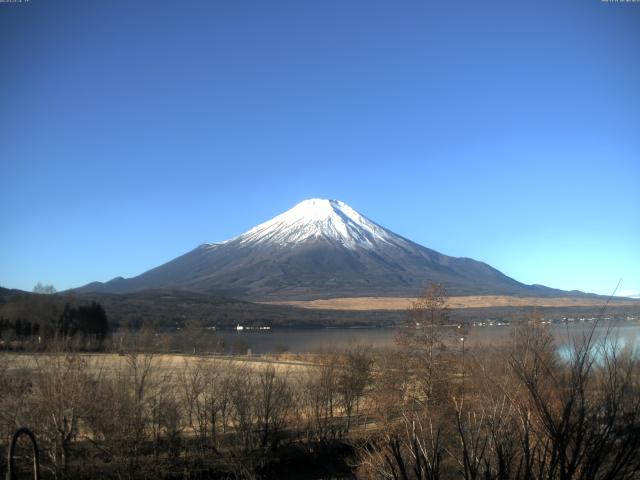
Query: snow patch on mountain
<point x="318" y="218"/>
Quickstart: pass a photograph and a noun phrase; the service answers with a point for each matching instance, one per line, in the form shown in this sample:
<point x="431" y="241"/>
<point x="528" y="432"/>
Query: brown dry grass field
<point x="478" y="301"/>
<point x="27" y="363"/>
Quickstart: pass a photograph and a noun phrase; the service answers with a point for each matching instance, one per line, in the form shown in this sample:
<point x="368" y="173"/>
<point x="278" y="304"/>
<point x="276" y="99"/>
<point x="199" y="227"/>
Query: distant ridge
<point x="321" y="249"/>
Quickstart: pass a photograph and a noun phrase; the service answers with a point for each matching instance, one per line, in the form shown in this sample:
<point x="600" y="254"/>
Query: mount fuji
<point x="320" y="249"/>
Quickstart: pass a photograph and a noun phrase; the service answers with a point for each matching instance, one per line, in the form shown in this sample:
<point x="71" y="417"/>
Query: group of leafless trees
<point x="522" y="410"/>
<point x="425" y="409"/>
<point x="143" y="414"/>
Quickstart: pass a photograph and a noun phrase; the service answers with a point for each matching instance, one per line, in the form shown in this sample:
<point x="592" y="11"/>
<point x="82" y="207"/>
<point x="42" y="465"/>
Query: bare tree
<point x="192" y="386"/>
<point x="121" y="410"/>
<point x="243" y="412"/>
<point x="354" y="376"/>
<point x="58" y="402"/>
<point x="586" y="414"/>
<point x="423" y="340"/>
<point x="44" y="289"/>
<point x="526" y="414"/>
<point x="321" y="397"/>
<point x="192" y="332"/>
<point x="413" y="450"/>
<point x="391" y="384"/>
<point x="273" y="401"/>
<point x="166" y="421"/>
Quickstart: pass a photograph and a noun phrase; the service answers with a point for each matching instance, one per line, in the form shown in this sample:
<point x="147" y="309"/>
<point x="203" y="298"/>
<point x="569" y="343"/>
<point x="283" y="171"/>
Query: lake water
<point x="313" y="340"/>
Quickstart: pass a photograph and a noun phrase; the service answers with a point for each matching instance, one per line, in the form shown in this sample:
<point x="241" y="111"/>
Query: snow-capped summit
<point x="319" y="218"/>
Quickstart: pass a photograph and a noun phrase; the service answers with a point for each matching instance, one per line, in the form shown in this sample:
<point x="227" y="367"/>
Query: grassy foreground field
<point x="176" y="364"/>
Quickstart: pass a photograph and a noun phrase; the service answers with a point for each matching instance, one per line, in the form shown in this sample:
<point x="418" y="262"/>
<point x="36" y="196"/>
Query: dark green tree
<point x="89" y="320"/>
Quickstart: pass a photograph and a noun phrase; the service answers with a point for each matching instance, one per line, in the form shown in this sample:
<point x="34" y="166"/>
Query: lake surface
<point x="314" y="340"/>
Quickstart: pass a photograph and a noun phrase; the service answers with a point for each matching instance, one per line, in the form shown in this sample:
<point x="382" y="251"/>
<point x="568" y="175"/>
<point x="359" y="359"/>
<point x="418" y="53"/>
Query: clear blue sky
<point x="505" y="131"/>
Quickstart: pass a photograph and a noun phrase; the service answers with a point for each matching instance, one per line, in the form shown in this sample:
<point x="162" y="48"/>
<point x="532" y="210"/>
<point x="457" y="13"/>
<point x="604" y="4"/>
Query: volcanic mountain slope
<point x="320" y="249"/>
